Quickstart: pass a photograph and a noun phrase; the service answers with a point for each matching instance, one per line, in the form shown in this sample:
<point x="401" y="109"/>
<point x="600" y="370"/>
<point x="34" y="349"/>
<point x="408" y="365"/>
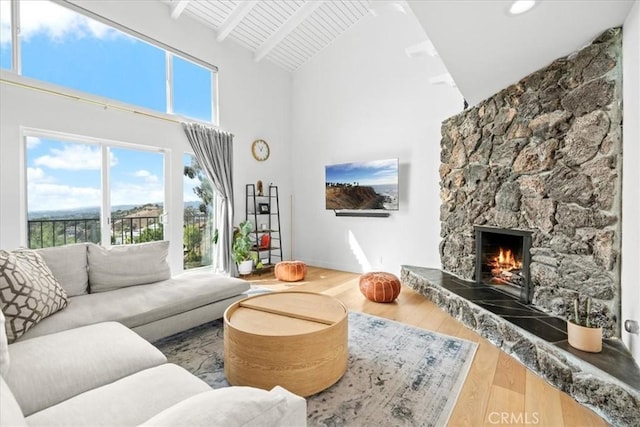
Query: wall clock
<point x="260" y="150"/>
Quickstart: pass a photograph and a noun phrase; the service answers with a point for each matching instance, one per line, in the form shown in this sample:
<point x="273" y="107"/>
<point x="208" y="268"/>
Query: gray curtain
<point x="213" y="149"/>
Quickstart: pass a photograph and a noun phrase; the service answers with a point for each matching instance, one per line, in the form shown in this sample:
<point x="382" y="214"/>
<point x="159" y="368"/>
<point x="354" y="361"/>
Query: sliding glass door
<point x="91" y="191"/>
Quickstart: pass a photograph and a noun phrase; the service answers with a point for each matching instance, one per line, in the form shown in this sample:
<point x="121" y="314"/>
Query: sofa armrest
<point x="235" y="407"/>
<point x="49" y="369"/>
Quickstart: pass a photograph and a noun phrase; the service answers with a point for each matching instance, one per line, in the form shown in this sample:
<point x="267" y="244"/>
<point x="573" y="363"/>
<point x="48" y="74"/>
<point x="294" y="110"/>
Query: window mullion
<point x="15" y="36"/>
<point x="169" y="82"/>
<point x="105" y="210"/>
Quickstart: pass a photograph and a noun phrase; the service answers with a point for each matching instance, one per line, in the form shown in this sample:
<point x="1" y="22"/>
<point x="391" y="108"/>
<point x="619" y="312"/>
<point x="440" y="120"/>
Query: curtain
<point x="213" y="149"/>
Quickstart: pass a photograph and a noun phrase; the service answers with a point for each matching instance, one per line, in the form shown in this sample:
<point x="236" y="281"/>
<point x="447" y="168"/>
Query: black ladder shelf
<point x="264" y="211"/>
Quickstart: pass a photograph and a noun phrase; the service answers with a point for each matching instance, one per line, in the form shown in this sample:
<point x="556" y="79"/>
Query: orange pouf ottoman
<point x="379" y="286"/>
<point x="290" y="271"/>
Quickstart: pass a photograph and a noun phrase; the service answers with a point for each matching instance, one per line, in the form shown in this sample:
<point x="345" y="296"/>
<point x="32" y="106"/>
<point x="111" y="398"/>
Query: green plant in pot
<point x="581" y="332"/>
<point x="241" y="247"/>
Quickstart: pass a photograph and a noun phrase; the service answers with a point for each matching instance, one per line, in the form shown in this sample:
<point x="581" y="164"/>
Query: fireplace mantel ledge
<point x="614" y="400"/>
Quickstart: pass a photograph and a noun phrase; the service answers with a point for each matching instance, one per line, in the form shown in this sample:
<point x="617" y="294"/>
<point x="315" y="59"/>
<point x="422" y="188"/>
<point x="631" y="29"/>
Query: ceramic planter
<point x="245" y="267"/>
<point x="585" y="339"/>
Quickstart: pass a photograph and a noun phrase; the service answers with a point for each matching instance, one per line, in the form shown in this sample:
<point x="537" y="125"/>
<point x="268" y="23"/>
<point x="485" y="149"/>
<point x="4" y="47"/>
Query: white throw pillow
<point x="68" y="264"/>
<point x="229" y="407"/>
<point x="28" y="291"/>
<point x="127" y="265"/>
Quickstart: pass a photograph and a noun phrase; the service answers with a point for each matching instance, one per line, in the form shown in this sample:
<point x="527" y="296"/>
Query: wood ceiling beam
<point x="292" y="23"/>
<point x="178" y="7"/>
<point x="234" y="18"/>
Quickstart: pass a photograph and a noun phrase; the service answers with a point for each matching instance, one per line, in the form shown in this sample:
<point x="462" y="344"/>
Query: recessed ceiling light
<point x="521" y="6"/>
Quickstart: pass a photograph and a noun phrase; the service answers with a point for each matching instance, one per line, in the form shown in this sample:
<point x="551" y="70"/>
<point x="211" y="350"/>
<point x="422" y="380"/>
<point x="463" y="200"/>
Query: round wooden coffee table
<point x="297" y="340"/>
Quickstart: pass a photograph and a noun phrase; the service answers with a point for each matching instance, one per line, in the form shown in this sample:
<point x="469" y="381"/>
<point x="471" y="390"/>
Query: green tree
<point x="204" y="191"/>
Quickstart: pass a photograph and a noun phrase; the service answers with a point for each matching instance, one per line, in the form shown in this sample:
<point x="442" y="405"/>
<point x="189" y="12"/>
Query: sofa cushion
<point x="28" y="291"/>
<point x="68" y="264"/>
<point x="127" y="265"/>
<point x="10" y="413"/>
<point x="52" y="368"/>
<point x="229" y="407"/>
<point x="126" y="402"/>
<point x="138" y="305"/>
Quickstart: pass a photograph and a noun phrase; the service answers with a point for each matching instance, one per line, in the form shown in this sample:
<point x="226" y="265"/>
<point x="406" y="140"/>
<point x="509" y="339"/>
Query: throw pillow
<point x="127" y="265"/>
<point x="28" y="291"/>
<point x="68" y="264"/>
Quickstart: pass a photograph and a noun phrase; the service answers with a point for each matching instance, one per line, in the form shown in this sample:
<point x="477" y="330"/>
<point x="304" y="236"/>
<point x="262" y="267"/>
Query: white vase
<point x="245" y="267"/>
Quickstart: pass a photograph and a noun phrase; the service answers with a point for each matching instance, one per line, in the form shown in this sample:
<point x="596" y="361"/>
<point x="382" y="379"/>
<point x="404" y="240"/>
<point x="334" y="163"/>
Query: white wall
<point x="630" y="275"/>
<point x="255" y="102"/>
<point x="362" y="98"/>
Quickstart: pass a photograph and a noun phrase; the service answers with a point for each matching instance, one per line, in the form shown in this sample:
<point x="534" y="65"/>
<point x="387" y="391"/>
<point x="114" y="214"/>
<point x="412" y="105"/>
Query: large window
<point x="61" y="46"/>
<point x="69" y="201"/>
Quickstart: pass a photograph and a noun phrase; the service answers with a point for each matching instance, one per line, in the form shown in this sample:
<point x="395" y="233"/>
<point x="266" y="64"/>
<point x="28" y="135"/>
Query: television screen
<point x="362" y="185"/>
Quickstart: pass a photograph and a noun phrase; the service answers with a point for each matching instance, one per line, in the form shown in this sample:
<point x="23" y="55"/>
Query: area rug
<point x="397" y="375"/>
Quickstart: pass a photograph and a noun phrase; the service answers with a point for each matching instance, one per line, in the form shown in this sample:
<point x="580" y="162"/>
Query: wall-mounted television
<point x="371" y="185"/>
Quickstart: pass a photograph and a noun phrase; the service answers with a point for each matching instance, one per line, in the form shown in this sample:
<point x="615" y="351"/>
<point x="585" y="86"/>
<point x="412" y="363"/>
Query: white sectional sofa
<point x="132" y="284"/>
<point x="87" y="363"/>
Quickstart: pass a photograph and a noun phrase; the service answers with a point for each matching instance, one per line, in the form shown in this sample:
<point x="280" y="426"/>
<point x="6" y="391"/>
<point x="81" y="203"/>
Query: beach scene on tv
<point x="362" y="185"/>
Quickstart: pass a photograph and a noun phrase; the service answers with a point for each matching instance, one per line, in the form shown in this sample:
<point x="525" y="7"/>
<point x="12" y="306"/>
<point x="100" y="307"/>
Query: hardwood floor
<point x="499" y="390"/>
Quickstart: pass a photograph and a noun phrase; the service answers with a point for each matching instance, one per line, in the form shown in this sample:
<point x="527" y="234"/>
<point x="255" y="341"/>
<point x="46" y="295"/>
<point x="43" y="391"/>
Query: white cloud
<point x="37" y="175"/>
<point x="188" y="186"/>
<point x="74" y="157"/>
<point x="54" y="21"/>
<point x="128" y="193"/>
<point x="147" y="176"/>
<point x="5" y="23"/>
<point x="46" y="196"/>
<point x="32" y="141"/>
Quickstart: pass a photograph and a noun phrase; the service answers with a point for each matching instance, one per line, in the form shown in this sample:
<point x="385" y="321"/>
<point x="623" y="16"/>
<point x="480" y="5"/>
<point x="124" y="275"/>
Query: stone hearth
<point x="607" y="382"/>
<point x="545" y="155"/>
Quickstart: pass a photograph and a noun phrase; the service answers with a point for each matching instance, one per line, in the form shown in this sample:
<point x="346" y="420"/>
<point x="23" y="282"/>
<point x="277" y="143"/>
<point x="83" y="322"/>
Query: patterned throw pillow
<point x="28" y="291"/>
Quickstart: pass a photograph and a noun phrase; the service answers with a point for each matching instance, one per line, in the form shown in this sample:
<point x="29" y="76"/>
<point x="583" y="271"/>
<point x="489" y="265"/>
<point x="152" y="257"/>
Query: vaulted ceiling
<point x="287" y="33"/>
<point x="483" y="47"/>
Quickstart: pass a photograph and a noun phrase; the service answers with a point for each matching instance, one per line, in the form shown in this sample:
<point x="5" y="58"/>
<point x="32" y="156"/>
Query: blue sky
<point x="380" y="172"/>
<point x="62" y="47"/>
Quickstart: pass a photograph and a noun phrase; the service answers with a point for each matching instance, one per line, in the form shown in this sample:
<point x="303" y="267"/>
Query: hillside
<point x="353" y="197"/>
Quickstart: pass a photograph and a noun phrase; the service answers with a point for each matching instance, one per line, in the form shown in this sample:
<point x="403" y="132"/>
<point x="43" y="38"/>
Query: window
<point x="68" y="201"/>
<point x="199" y="228"/>
<point x="61" y="46"/>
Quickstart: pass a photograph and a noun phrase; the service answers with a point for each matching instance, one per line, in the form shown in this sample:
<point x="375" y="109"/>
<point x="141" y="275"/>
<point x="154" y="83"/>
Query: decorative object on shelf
<point x="263" y="208"/>
<point x="241" y="247"/>
<point x="290" y="271"/>
<point x="379" y="286"/>
<point x="259" y="188"/>
<point x="582" y="335"/>
<point x="260" y="150"/>
<point x="265" y="241"/>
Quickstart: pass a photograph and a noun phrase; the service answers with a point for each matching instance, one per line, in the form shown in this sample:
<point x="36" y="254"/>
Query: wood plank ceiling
<point x="287" y="33"/>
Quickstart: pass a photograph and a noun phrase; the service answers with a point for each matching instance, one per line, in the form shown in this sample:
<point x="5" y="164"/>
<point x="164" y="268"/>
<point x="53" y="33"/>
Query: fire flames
<point x="505" y="261"/>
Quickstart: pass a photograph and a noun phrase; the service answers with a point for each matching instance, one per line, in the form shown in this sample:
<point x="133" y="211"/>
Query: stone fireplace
<point x="544" y="155"/>
<point x="502" y="260"/>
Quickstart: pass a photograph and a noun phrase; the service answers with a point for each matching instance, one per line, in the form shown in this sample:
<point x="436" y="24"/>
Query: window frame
<point x="16" y="63"/>
<point x="105" y="186"/>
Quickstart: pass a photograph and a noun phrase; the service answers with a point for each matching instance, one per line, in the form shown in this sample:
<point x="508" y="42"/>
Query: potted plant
<point x="582" y="334"/>
<point x="241" y="247"/>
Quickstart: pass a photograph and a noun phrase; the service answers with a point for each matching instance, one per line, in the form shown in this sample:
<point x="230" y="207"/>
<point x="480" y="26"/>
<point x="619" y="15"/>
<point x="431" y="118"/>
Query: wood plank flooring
<point x="499" y="390"/>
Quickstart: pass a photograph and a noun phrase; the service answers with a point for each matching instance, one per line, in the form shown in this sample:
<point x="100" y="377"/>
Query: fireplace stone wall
<point x="545" y="154"/>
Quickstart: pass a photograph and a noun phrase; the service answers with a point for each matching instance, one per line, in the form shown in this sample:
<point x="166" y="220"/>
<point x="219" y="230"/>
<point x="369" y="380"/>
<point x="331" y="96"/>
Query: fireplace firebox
<point x="502" y="260"/>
